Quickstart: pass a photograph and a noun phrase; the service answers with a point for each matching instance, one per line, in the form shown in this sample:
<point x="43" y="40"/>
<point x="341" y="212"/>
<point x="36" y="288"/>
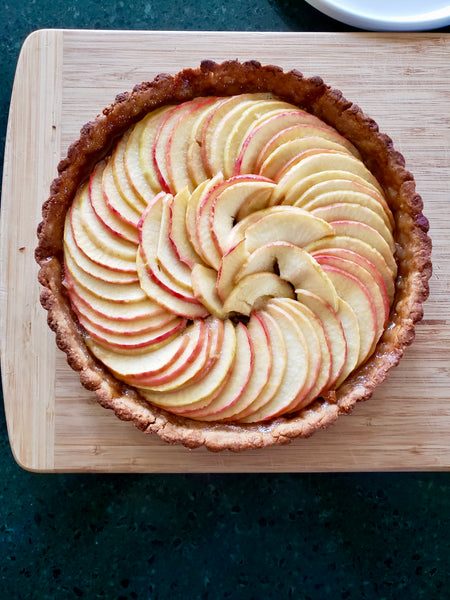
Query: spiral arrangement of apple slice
<point x="232" y="259"/>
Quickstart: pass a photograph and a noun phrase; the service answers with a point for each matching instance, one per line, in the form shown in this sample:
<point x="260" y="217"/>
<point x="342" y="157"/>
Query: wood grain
<point x="63" y="79"/>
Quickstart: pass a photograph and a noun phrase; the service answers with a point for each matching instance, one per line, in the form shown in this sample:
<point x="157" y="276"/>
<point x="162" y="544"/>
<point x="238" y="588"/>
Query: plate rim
<point x="358" y="18"/>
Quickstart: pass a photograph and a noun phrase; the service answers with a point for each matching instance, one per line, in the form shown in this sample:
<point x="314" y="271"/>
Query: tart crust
<point x="413" y="249"/>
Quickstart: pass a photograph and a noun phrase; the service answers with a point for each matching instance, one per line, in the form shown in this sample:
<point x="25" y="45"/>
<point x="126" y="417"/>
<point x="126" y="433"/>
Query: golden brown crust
<point x="412" y="242"/>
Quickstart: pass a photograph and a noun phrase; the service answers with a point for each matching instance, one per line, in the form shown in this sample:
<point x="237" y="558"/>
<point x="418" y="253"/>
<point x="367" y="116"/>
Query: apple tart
<point x="233" y="256"/>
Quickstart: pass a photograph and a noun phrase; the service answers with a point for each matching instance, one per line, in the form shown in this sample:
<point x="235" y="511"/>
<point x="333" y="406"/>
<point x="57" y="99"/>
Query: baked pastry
<point x="233" y="256"/>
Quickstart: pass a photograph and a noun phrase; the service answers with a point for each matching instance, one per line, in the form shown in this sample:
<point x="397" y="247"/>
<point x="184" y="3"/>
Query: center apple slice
<point x="204" y="285"/>
<point x="252" y="291"/>
<point x="294" y="265"/>
<point x="234" y="194"/>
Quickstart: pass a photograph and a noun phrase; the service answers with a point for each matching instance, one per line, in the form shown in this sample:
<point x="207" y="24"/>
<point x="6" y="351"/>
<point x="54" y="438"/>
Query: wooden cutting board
<point x="63" y="79"/>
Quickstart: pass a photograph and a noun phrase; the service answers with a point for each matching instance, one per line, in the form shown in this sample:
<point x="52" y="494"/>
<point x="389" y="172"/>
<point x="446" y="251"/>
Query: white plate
<point x="388" y="15"/>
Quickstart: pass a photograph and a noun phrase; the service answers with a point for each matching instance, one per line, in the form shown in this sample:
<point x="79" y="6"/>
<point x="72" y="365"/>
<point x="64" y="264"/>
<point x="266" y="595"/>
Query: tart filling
<point x="233" y="259"/>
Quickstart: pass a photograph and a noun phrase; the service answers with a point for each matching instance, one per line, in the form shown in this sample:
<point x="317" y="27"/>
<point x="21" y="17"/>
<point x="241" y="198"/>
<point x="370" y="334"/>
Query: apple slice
<point x="143" y="186"/>
<point x="287" y="152"/>
<point x="96" y="241"/>
<point x="278" y="352"/>
<point x="141" y="363"/>
<point x="178" y="145"/>
<point x="294" y="265"/>
<point x="319" y="351"/>
<point x="108" y="324"/>
<point x="163" y="136"/>
<point x="342" y="187"/>
<point x="251" y="291"/>
<point x="260" y="373"/>
<point x="90" y="267"/>
<point x="378" y="295"/>
<point x="150" y="126"/>
<point x="232" y="262"/>
<point x="215" y="147"/>
<point x="237" y="381"/>
<point x="115" y="201"/>
<point x="117" y="309"/>
<point x="295" y="226"/>
<point x="149" y="230"/>
<point x="297" y="368"/>
<point x="131" y="341"/>
<point x="196" y="340"/>
<point x="166" y="256"/>
<point x="360" y="248"/>
<point x="204" y="282"/>
<point x="121" y="180"/>
<point x="233" y="195"/>
<point x="102" y="211"/>
<point x="203" y="391"/>
<point x="197" y="197"/>
<point x="356" y="294"/>
<point x="183" y="374"/>
<point x="333" y="330"/>
<point x="197" y="168"/>
<point x="238" y="232"/>
<point x="353" y="199"/>
<point x="209" y="250"/>
<point x="249" y="119"/>
<point x="369" y="235"/>
<point x="263" y="130"/>
<point x="301" y="186"/>
<point x="303" y="130"/>
<point x="327" y="160"/>
<point x="125" y="292"/>
<point x="165" y="297"/>
<point x="350" y="326"/>
<point x="178" y="233"/>
<point x="341" y="253"/>
<point x="353" y="212"/>
<point x="213" y="144"/>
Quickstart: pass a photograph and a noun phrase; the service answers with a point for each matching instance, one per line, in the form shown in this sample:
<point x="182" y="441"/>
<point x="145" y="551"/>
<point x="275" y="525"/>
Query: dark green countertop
<point x="156" y="537"/>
